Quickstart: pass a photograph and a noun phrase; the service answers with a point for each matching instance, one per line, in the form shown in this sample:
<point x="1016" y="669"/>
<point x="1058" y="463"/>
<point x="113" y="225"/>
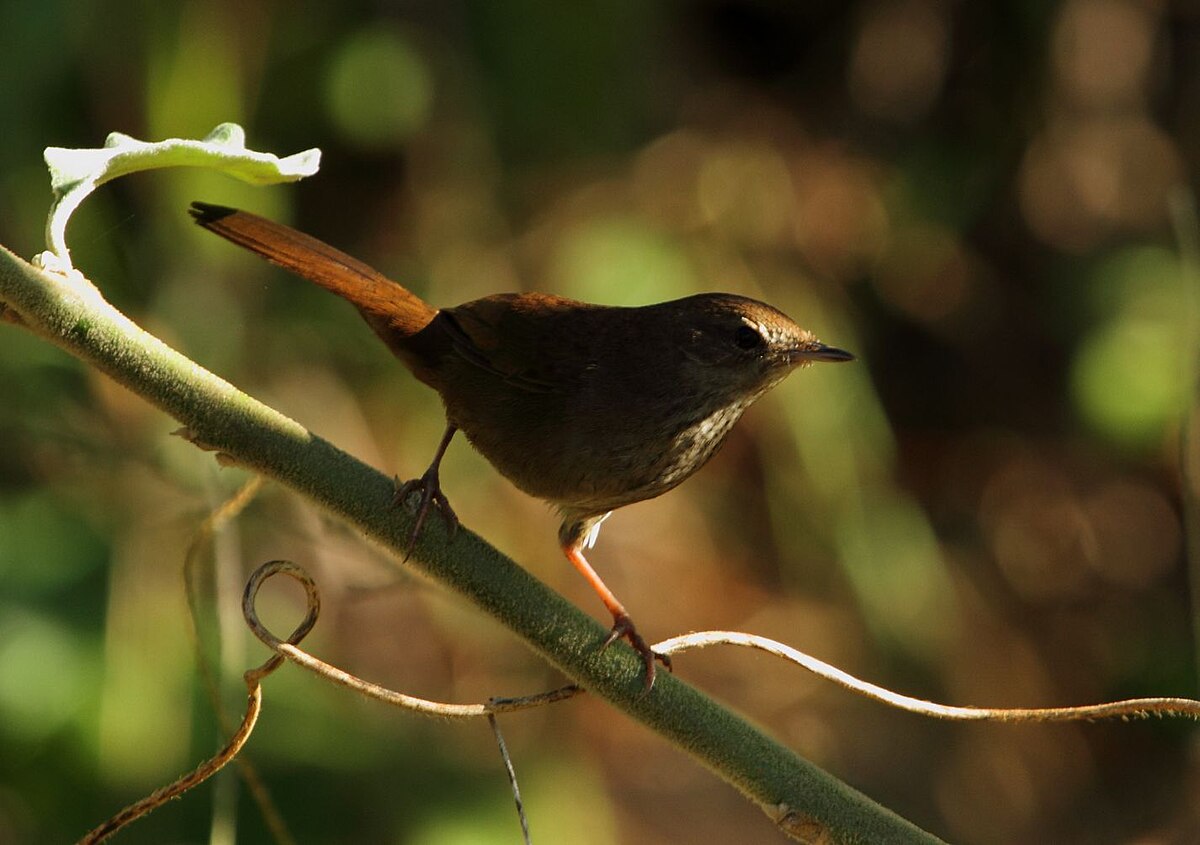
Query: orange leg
<point x="622" y="625"/>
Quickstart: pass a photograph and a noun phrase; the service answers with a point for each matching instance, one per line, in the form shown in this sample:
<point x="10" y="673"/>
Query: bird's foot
<point x="431" y="497"/>
<point x="623" y="629"/>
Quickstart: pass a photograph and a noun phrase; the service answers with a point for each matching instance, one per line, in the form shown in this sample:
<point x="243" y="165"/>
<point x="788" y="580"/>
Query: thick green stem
<point x="800" y="798"/>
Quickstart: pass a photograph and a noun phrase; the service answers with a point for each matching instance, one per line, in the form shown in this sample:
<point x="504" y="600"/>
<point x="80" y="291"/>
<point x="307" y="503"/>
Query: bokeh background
<point x="989" y="202"/>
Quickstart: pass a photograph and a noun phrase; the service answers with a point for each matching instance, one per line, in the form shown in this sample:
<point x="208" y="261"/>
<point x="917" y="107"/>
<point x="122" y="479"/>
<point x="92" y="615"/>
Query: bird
<point x="588" y="407"/>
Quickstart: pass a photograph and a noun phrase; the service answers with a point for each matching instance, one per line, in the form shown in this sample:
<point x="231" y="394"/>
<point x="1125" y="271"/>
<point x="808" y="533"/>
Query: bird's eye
<point x="747" y="338"/>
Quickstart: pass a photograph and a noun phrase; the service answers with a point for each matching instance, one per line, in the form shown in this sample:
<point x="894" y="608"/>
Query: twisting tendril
<point x="288" y="650"/>
<point x="210" y="767"/>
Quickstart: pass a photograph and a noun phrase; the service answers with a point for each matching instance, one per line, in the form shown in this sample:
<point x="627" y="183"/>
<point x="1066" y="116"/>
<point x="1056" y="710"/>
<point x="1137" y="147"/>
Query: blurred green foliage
<point x="986" y="508"/>
<point x="1129" y="376"/>
<point x="385" y="64"/>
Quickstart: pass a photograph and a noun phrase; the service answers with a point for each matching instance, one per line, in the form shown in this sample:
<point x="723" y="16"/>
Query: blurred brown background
<point x="986" y="508"/>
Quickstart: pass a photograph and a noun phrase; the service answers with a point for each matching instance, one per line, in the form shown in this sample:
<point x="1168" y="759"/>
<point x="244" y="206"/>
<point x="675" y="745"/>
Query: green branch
<point x="800" y="798"/>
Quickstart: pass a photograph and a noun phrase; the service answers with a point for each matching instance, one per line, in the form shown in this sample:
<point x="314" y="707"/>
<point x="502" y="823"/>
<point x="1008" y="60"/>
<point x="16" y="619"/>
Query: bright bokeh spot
<point x="44" y="675"/>
<point x="379" y="89"/>
<point x="621" y="261"/>
<point x="1128" y="377"/>
<point x="1128" y="381"/>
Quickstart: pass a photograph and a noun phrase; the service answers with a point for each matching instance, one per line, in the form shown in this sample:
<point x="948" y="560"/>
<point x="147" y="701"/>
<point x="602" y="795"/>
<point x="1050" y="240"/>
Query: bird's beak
<point x="817" y="351"/>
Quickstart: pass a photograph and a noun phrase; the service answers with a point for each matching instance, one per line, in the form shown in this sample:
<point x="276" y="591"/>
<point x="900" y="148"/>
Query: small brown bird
<point x="589" y="407"/>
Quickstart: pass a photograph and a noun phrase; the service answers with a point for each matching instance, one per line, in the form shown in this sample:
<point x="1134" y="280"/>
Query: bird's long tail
<point x="387" y="306"/>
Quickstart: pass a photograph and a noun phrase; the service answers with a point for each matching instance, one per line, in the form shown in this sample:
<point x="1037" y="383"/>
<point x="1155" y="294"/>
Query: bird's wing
<point x="532" y="341"/>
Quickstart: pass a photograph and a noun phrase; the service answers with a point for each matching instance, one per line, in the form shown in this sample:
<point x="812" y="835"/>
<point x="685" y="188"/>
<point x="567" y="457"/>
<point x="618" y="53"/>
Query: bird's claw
<point x="623" y="628"/>
<point x="431" y="497"/>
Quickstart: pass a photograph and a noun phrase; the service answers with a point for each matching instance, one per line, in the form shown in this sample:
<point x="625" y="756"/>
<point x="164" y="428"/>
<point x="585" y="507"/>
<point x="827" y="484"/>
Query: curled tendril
<point x="312" y="596"/>
<point x="287" y="649"/>
<point x="253" y="679"/>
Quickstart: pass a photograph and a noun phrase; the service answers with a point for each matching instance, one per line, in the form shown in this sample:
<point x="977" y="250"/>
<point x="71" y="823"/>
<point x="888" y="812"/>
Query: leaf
<point x="75" y="173"/>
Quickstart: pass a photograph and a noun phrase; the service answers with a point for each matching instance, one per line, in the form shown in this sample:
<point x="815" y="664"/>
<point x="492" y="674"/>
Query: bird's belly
<point x="598" y="465"/>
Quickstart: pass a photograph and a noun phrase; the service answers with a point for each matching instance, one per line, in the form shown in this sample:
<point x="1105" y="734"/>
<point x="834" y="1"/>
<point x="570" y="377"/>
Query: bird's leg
<point x="623" y="627"/>
<point x="431" y="492"/>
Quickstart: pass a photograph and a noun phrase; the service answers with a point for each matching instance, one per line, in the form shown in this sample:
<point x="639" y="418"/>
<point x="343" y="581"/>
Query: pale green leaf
<point x="75" y="173"/>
